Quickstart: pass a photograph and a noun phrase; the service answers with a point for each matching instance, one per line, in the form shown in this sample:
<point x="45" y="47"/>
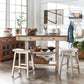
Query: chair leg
<point x="13" y="64"/>
<point x="68" y="61"/>
<point x="27" y="62"/>
<point x="61" y="63"/>
<point x="71" y="64"/>
<point x="19" y="63"/>
<point x="77" y="60"/>
<point x="32" y="59"/>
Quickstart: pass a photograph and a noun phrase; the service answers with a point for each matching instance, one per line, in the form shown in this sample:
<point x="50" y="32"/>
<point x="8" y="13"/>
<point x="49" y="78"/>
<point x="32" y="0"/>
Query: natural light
<point x="9" y="11"/>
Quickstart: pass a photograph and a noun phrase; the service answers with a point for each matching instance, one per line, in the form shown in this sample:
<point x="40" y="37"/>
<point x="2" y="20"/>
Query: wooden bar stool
<point x="70" y="59"/>
<point x="20" y="65"/>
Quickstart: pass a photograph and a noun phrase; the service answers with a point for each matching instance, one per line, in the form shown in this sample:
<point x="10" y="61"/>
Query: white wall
<point x="37" y="14"/>
<point x="36" y="11"/>
<point x="30" y="13"/>
<point x="34" y="14"/>
<point x="79" y="3"/>
<point x="68" y="2"/>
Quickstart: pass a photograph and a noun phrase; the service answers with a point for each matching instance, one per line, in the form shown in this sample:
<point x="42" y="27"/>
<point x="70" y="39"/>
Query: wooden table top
<point x="42" y="35"/>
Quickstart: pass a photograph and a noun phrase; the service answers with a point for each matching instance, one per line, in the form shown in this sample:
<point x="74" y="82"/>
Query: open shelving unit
<point x="76" y="17"/>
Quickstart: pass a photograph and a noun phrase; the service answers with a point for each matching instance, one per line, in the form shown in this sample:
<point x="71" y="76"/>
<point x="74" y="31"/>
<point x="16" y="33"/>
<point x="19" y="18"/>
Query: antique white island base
<point x="55" y="38"/>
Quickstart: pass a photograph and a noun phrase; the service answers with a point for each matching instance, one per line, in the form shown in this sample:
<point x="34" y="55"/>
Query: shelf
<point x="44" y="53"/>
<point x="50" y="64"/>
<point x="75" y="17"/>
<point x="45" y="64"/>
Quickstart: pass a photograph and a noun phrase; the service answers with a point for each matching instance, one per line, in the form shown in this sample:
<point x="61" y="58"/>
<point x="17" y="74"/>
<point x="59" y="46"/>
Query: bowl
<point x="44" y="50"/>
<point x="30" y="31"/>
<point x="37" y="49"/>
<point x="51" y="48"/>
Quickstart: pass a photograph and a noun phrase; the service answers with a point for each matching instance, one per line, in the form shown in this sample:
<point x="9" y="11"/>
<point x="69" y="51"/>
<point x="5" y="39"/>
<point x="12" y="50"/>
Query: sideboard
<point x="6" y="46"/>
<point x="9" y="43"/>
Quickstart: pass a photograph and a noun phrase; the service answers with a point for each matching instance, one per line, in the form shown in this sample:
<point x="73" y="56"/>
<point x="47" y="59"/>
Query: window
<point x="9" y="10"/>
<point x="16" y="7"/>
<point x="2" y="16"/>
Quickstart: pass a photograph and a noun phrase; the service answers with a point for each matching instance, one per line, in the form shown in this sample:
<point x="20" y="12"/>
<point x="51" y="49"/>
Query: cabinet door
<point x="22" y="45"/>
<point x="13" y="45"/>
<point x="3" y="53"/>
<point x="8" y="46"/>
<point x="17" y="45"/>
<point x="3" y="46"/>
<point x="32" y="43"/>
<point x="8" y="52"/>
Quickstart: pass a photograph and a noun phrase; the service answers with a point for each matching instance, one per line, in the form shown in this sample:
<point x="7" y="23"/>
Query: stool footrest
<point x="31" y="70"/>
<point x="20" y="67"/>
<point x="64" y="64"/>
<point x="23" y="64"/>
<point x="73" y="67"/>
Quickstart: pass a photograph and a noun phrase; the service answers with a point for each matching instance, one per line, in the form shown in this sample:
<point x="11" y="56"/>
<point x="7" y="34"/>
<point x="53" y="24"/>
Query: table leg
<point x="57" y="54"/>
<point x="26" y="44"/>
<point x="26" y="47"/>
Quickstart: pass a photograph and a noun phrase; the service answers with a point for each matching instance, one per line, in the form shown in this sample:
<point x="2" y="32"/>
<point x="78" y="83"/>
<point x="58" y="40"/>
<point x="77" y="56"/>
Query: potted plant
<point x="80" y="46"/>
<point x="17" y="30"/>
<point x="75" y="44"/>
<point x="7" y="33"/>
<point x="19" y="21"/>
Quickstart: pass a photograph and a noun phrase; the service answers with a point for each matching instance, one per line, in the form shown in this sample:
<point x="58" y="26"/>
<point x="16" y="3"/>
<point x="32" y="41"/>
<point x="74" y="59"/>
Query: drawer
<point x="34" y="38"/>
<point x="61" y="38"/>
<point x="48" y="38"/>
<point x="6" y="39"/>
<point x="28" y="38"/>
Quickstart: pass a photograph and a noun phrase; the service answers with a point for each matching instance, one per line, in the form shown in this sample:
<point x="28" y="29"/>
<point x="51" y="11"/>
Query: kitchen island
<point x="55" y="38"/>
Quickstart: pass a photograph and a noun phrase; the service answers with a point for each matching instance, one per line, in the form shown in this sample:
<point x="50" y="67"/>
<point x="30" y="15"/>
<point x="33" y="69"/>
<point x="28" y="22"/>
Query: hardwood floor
<point x="42" y="75"/>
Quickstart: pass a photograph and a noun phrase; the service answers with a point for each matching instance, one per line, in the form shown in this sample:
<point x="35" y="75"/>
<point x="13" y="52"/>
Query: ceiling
<point x="74" y="2"/>
<point x="69" y="2"/>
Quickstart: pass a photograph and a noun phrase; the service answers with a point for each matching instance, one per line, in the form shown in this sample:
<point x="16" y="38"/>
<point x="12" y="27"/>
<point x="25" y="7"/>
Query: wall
<point x="30" y="13"/>
<point x="34" y="14"/>
<point x="36" y="8"/>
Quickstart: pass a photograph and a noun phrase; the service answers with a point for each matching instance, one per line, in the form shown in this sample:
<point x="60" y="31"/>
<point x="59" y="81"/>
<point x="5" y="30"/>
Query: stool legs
<point x="71" y="64"/>
<point x="77" y="60"/>
<point x="68" y="61"/>
<point x="27" y="64"/>
<point x="71" y="61"/>
<point x="61" y="63"/>
<point x="32" y="59"/>
<point x="13" y="64"/>
<point x="19" y="63"/>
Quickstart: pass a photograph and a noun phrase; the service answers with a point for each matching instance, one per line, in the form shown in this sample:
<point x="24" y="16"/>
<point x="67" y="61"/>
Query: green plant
<point x="17" y="29"/>
<point x="75" y="44"/>
<point x="78" y="44"/>
<point x="82" y="45"/>
<point x="7" y="31"/>
<point x="20" y="19"/>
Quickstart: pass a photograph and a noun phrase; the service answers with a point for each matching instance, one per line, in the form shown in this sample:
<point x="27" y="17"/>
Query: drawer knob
<point x="53" y="38"/>
<point x="30" y="38"/>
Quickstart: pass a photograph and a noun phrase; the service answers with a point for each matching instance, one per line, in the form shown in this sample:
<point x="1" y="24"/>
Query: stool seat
<point x="21" y="65"/>
<point x="70" y="57"/>
<point x="70" y="50"/>
<point x="18" y="50"/>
